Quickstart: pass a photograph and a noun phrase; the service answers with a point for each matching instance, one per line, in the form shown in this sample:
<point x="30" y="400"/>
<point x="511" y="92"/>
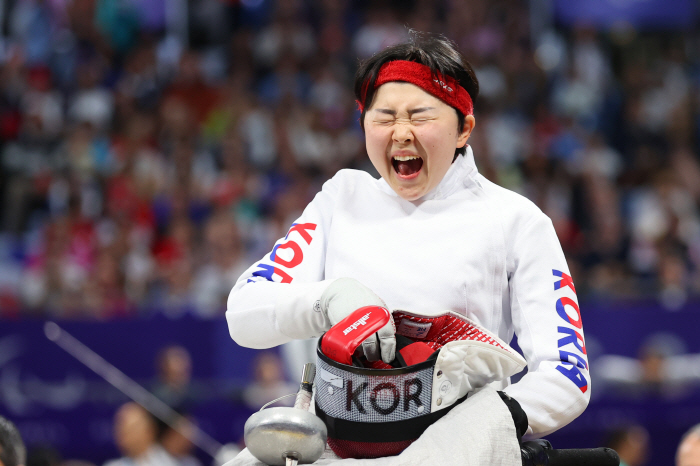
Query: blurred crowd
<point x="167" y="432"/>
<point x="153" y="150"/>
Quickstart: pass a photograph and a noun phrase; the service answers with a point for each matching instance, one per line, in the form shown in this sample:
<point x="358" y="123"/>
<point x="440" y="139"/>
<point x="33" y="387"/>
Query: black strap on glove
<point x="517" y="413"/>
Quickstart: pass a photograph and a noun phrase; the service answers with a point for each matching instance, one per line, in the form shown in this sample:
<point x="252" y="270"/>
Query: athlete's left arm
<point x="547" y="321"/>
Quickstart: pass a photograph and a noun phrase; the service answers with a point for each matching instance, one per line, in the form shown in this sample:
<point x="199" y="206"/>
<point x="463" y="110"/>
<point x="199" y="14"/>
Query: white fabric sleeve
<point x="276" y="299"/>
<point x="547" y="322"/>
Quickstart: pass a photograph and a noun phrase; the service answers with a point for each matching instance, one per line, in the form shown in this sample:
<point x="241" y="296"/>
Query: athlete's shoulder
<point x="508" y="202"/>
<point x="522" y="222"/>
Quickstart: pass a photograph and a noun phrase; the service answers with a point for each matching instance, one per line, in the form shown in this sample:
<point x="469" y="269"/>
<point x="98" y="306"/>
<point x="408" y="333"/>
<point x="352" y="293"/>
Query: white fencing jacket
<point x="469" y="246"/>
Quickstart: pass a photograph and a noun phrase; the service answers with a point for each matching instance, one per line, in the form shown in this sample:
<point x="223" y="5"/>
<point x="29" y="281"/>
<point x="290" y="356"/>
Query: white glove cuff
<point x="463" y="366"/>
<point x="345" y="295"/>
<point x="297" y="309"/>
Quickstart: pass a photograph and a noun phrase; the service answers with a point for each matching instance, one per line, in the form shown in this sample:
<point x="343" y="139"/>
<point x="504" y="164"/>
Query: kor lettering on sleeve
<point x="286" y="255"/>
<point x="572" y="346"/>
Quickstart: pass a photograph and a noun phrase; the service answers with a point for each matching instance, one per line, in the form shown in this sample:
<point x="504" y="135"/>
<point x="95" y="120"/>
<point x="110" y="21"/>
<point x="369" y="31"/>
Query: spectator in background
<point x="268" y="383"/>
<point x="135" y="434"/>
<point x="223" y="262"/>
<point x="631" y="442"/>
<point x="174" y="372"/>
<point x="662" y="368"/>
<point x="47" y="455"/>
<point x="688" y="453"/>
<point x="142" y="125"/>
<point x="43" y="455"/>
<point x="175" y="439"/>
<point x="173" y="254"/>
<point x="12" y="449"/>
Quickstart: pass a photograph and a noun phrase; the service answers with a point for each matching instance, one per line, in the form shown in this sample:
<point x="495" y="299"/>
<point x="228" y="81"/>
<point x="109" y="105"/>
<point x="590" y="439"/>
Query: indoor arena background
<point x="154" y="149"/>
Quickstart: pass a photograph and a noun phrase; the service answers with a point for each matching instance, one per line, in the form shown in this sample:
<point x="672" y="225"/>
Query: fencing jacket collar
<point x="460" y="175"/>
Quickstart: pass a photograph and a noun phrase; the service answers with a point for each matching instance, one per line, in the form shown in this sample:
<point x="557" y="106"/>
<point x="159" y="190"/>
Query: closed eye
<point x="384" y="121"/>
<point x="421" y="120"/>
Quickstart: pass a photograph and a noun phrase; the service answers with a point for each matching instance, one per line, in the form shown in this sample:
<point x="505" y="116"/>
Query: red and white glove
<point x="344" y="296"/>
<point x="340" y="342"/>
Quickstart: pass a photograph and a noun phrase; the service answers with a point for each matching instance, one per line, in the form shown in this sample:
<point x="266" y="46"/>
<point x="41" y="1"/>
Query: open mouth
<point x="407" y="166"/>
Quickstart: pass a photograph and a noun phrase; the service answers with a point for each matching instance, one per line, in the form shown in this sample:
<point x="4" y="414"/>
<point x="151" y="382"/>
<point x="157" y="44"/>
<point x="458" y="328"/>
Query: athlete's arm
<point x="547" y="322"/>
<point x="276" y="299"/>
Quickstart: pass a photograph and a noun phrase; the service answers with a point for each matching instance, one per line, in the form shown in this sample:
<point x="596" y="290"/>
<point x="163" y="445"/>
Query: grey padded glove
<point x="342" y="298"/>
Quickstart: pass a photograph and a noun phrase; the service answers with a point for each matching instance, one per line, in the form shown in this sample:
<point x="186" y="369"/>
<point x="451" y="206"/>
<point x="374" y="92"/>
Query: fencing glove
<point x="346" y="295"/>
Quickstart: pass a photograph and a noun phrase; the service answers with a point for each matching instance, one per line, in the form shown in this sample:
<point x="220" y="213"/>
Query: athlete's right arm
<point x="277" y="299"/>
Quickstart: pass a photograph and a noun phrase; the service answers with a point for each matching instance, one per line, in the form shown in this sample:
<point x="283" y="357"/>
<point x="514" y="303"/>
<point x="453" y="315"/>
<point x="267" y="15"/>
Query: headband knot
<point x="445" y="88"/>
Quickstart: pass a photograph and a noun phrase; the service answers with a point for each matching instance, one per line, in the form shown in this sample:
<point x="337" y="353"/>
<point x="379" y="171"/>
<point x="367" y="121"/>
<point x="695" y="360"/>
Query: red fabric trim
<point x="445" y="88"/>
<point x="444" y="329"/>
<point x="359" y="450"/>
<point x="447" y="328"/>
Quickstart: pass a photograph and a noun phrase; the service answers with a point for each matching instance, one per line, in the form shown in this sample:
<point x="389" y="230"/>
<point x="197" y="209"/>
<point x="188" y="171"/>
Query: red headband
<point x="445" y="88"/>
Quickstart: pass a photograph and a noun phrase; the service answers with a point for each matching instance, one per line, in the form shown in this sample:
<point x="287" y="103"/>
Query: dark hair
<point x="12" y="450"/>
<point x="434" y="51"/>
